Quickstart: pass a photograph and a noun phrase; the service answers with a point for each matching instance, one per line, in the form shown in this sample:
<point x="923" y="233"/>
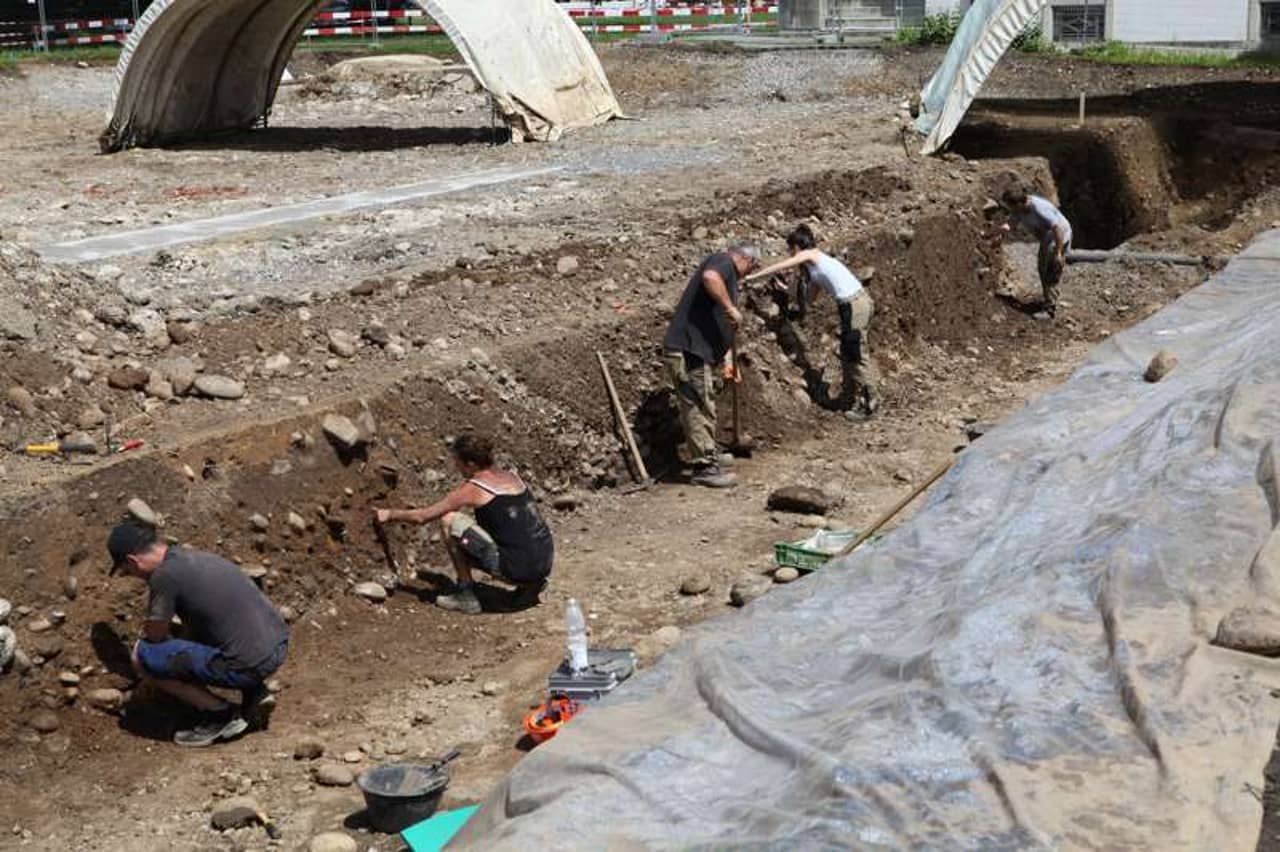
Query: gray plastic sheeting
<point x="1025" y="663"/>
<point x="195" y="67"/>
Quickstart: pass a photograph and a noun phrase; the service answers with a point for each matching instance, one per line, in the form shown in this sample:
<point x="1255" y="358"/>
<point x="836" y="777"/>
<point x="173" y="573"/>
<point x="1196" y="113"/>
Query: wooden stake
<point x="897" y="507"/>
<point x="641" y="473"/>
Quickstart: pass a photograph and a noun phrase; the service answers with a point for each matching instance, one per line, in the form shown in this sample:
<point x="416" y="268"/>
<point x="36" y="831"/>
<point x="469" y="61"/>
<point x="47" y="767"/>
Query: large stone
<point x="236" y="812"/>
<point x="5" y="609"/>
<point x="1161" y="365"/>
<point x="342" y="431"/>
<point x="21" y="399"/>
<point x="16" y="322"/>
<point x="371" y="592"/>
<point x="308" y="748"/>
<point x="567" y="265"/>
<point x="297" y="523"/>
<point x="149" y="322"/>
<point x="157" y="387"/>
<point x="107" y="699"/>
<point x="141" y="511"/>
<point x="219" y="387"/>
<point x="179" y="372"/>
<point x="334" y="775"/>
<point x="8" y="646"/>
<point x="748" y="589"/>
<point x="128" y="378"/>
<point x="658" y="642"/>
<point x="43" y="721"/>
<point x="39" y="624"/>
<point x="342" y="343"/>
<point x="1252" y="631"/>
<point x="277" y="363"/>
<point x="695" y="585"/>
<point x="46" y="646"/>
<point x="91" y="418"/>
<point x="786" y="574"/>
<point x="801" y="499"/>
<point x="332" y="841"/>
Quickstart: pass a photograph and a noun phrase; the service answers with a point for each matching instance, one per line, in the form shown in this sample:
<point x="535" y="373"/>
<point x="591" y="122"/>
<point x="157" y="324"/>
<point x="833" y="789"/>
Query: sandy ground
<point x="488" y="334"/>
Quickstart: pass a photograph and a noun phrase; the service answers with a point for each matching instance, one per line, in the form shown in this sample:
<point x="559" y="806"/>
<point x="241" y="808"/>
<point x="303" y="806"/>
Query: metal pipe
<point x="1095" y="256"/>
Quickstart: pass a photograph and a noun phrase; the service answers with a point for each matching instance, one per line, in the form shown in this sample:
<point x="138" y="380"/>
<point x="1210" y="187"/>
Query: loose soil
<point x="497" y="341"/>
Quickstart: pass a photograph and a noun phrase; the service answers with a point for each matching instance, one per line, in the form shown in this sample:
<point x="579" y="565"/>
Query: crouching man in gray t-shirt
<point x="233" y="637"/>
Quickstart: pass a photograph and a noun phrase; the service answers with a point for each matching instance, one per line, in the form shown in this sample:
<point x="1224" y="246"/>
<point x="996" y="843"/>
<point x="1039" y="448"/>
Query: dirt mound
<point x="833" y="192"/>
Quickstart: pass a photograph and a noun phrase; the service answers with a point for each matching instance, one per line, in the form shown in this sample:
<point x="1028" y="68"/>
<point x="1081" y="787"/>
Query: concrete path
<point x="151" y="239"/>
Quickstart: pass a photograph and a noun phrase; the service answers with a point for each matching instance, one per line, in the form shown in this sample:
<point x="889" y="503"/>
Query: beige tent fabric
<point x="1027" y="663"/>
<point x="195" y="67"/>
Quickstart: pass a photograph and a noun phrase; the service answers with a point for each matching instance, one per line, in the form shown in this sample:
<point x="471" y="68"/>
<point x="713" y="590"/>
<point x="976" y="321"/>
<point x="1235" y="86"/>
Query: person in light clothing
<point x="820" y="272"/>
<point x="1052" y="230"/>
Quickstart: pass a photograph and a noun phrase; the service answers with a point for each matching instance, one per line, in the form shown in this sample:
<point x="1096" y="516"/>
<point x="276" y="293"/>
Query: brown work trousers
<point x="855" y="351"/>
<point x="695" y="391"/>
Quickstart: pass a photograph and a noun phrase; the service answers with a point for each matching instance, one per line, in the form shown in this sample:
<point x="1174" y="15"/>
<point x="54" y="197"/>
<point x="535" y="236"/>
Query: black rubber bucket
<point x="398" y="795"/>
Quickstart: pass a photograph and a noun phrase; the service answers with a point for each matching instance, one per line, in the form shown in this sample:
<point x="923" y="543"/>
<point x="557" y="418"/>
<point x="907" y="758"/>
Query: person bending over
<point x="490" y="523"/>
<point x="1052" y="230"/>
<point x="821" y="272"/>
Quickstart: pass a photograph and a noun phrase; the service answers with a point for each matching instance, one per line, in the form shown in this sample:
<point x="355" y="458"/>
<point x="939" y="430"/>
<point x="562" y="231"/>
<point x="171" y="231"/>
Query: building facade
<point x="1208" y="23"/>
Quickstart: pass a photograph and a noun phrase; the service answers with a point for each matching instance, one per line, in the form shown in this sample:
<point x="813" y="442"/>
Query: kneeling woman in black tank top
<point x="506" y="537"/>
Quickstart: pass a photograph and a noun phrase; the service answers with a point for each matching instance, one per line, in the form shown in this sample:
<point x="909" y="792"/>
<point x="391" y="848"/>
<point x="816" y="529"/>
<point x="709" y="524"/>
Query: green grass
<point x="941" y="29"/>
<point x="1119" y="53"/>
<point x="94" y="54"/>
<point x="430" y="43"/>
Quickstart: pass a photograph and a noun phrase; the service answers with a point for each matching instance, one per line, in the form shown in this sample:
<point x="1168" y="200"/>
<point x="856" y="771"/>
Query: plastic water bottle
<point x="576" y="626"/>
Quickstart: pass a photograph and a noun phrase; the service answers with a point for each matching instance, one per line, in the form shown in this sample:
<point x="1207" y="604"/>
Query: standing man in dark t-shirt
<point x="700" y="334"/>
<point x="234" y="637"/>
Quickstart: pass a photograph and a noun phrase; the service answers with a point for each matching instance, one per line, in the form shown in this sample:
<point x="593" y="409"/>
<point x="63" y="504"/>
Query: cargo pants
<point x="1050" y="269"/>
<point x="695" y="391"/>
<point x="860" y="371"/>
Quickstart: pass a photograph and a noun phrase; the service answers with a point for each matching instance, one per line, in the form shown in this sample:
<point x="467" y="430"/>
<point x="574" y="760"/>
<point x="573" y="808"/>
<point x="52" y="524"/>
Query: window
<point x="1271" y="20"/>
<point x="1081" y="23"/>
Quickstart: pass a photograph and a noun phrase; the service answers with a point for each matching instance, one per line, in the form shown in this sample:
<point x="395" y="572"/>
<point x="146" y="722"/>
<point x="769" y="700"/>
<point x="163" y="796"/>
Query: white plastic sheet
<point x="1026" y="663"/>
<point x="987" y="31"/>
<point x="195" y="67"/>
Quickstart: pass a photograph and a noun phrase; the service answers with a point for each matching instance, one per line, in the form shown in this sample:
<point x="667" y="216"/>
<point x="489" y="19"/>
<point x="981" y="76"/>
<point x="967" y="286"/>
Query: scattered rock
<point x="786" y="574"/>
<point x="1161" y="365"/>
<point x="800" y="499"/>
<point x="658" y="642"/>
<point x="43" y="721"/>
<point x="21" y="399"/>
<point x="699" y="233"/>
<point x="748" y="589"/>
<point x="259" y="522"/>
<point x="71" y="587"/>
<point x="1251" y="631"/>
<point x="367" y="287"/>
<point x="297" y="523"/>
<point x="491" y="688"/>
<point x="695" y="585"/>
<point x="342" y="343"/>
<point x="277" y="363"/>
<point x="5" y="609"/>
<point x="179" y="372"/>
<point x="91" y="418"/>
<point x="288" y="613"/>
<point x="341" y="431"/>
<point x="236" y="812"/>
<point x="8" y="646"/>
<point x="567" y="265"/>
<point x="371" y="592"/>
<point x="377" y="334"/>
<point x="128" y="378"/>
<point x="334" y="775"/>
<point x="219" y="387"/>
<point x="974" y="431"/>
<point x="353" y="756"/>
<point x="140" y="510"/>
<point x="16" y="322"/>
<point x="565" y="502"/>
<point x="332" y="841"/>
<point x="308" y="748"/>
<point x="179" y="332"/>
<point x="106" y="699"/>
<point x="68" y="678"/>
<point x="157" y="387"/>
<point x="39" y="624"/>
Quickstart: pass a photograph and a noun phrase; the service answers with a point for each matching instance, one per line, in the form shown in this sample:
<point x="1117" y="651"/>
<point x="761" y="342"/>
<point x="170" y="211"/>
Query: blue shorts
<point x="180" y="659"/>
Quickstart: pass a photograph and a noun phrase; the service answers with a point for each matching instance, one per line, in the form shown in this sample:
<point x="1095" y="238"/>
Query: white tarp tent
<point x="987" y="31"/>
<point x="195" y="67"/>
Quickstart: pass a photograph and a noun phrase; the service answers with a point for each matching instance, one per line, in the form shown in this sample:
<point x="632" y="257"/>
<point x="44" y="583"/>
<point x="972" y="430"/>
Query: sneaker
<point x="222" y="725"/>
<point x="256" y="706"/>
<point x="527" y="594"/>
<point x="711" y="476"/>
<point x="463" y="600"/>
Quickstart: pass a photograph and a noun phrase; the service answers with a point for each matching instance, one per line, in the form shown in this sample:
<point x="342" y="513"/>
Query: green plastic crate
<point x="813" y="552"/>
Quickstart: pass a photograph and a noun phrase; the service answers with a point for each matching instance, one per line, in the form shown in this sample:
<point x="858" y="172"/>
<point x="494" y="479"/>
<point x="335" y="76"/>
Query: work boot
<point x="256" y="706"/>
<point x="463" y="600"/>
<point x="712" y="476"/>
<point x="213" y="726"/>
